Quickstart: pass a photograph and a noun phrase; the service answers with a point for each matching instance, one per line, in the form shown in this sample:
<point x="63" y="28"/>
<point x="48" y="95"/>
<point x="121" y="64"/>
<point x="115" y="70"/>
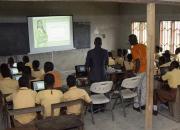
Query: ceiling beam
<point x="119" y="1"/>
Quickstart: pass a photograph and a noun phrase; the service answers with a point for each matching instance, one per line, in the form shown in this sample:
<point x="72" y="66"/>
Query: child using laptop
<point x="24" y="98"/>
<point x="49" y="96"/>
<point x="49" y="69"/>
<point x="129" y="65"/>
<point x="36" y="72"/>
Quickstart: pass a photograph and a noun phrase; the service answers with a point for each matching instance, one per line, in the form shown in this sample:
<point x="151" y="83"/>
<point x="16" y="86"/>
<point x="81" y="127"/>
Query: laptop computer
<point x="14" y="71"/>
<point x="15" y="65"/>
<point x="81" y="71"/>
<point x="37" y="85"/>
<point x="17" y="76"/>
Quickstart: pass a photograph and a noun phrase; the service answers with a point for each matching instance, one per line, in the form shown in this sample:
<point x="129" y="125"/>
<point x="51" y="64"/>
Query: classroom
<point x="89" y="64"/>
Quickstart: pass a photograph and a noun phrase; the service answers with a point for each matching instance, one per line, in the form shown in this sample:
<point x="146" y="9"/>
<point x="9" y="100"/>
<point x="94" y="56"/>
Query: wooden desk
<point x="64" y="122"/>
<point x="22" y="128"/>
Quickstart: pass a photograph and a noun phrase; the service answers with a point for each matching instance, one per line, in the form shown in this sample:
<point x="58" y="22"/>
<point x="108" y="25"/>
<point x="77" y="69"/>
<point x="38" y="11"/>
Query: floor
<point x="133" y="121"/>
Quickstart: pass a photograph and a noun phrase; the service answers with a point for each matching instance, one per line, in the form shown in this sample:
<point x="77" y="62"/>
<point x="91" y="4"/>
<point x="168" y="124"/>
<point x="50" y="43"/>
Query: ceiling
<point x="120" y="1"/>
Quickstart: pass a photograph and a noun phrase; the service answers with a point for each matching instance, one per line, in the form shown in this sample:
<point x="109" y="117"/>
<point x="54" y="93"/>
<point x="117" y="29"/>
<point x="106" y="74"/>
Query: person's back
<point x="139" y="52"/>
<point x="97" y="61"/>
<point x="49" y="68"/>
<point x="177" y="56"/>
<point x="27" y="62"/>
<point x="75" y="93"/>
<point x="36" y="72"/>
<point x="48" y="97"/>
<point x="119" y="59"/>
<point x="129" y="65"/>
<point x="111" y="60"/>
<point x="24" y="98"/>
<point x="7" y="85"/>
<point x="173" y="78"/>
<point x="27" y="72"/>
<point x="57" y="77"/>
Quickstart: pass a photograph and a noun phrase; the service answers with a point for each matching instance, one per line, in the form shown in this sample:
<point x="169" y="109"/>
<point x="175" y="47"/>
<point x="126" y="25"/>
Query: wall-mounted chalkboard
<point x="81" y="32"/>
<point x="14" y="39"/>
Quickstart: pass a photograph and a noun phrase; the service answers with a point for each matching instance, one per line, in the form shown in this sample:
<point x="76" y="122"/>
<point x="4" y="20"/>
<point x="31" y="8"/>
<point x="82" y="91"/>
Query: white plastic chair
<point x="128" y="90"/>
<point x="100" y="88"/>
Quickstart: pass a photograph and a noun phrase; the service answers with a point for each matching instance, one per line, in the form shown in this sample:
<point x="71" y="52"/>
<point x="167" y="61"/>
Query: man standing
<point x="96" y="62"/>
<point x="139" y="57"/>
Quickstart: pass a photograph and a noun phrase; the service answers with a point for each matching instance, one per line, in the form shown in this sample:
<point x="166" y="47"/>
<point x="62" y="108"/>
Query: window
<point x="170" y="35"/>
<point x="140" y="30"/>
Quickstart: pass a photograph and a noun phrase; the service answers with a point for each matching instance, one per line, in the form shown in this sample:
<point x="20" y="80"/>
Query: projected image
<point x="41" y="34"/>
<point x="51" y="31"/>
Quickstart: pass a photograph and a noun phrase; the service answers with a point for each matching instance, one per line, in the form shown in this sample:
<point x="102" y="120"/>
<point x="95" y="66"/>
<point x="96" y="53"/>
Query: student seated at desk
<point x="129" y="65"/>
<point x="49" y="96"/>
<point x="36" y="72"/>
<point x="49" y="68"/>
<point x="111" y="60"/>
<point x="26" y="61"/>
<point x="125" y="52"/>
<point x="119" y="60"/>
<point x="75" y="93"/>
<point x="167" y="59"/>
<point x="10" y="62"/>
<point x="177" y="54"/>
<point x="158" y="52"/>
<point x="20" y="67"/>
<point x="24" y="98"/>
<point x="7" y="85"/>
<point x="166" y="94"/>
<point x="27" y="72"/>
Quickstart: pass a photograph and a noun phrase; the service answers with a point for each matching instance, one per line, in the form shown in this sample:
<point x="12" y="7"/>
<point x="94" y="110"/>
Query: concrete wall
<point x="137" y="12"/>
<point x="102" y="16"/>
<point x="112" y="19"/>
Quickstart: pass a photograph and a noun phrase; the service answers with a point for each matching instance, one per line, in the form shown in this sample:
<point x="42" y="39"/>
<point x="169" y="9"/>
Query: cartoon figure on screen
<point x="41" y="35"/>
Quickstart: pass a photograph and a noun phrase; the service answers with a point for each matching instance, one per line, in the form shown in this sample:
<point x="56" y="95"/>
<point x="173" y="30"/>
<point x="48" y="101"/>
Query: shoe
<point x="155" y="113"/>
<point x="143" y="107"/>
<point x="136" y="109"/>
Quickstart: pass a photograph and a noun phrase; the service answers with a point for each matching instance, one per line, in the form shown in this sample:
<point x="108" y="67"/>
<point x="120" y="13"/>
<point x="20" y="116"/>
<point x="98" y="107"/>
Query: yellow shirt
<point x="129" y="65"/>
<point x="111" y="61"/>
<point x="8" y="85"/>
<point x="75" y="93"/>
<point x="29" y="64"/>
<point x="46" y="98"/>
<point x="37" y="74"/>
<point x="24" y="98"/>
<point x="177" y="57"/>
<point x="119" y="61"/>
<point x="173" y="78"/>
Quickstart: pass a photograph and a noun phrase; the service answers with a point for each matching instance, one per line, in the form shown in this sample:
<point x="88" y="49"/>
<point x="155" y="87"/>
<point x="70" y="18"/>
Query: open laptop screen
<point x="81" y="70"/>
<point x="14" y="71"/>
<point x="38" y="85"/>
<point x="16" y="77"/>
